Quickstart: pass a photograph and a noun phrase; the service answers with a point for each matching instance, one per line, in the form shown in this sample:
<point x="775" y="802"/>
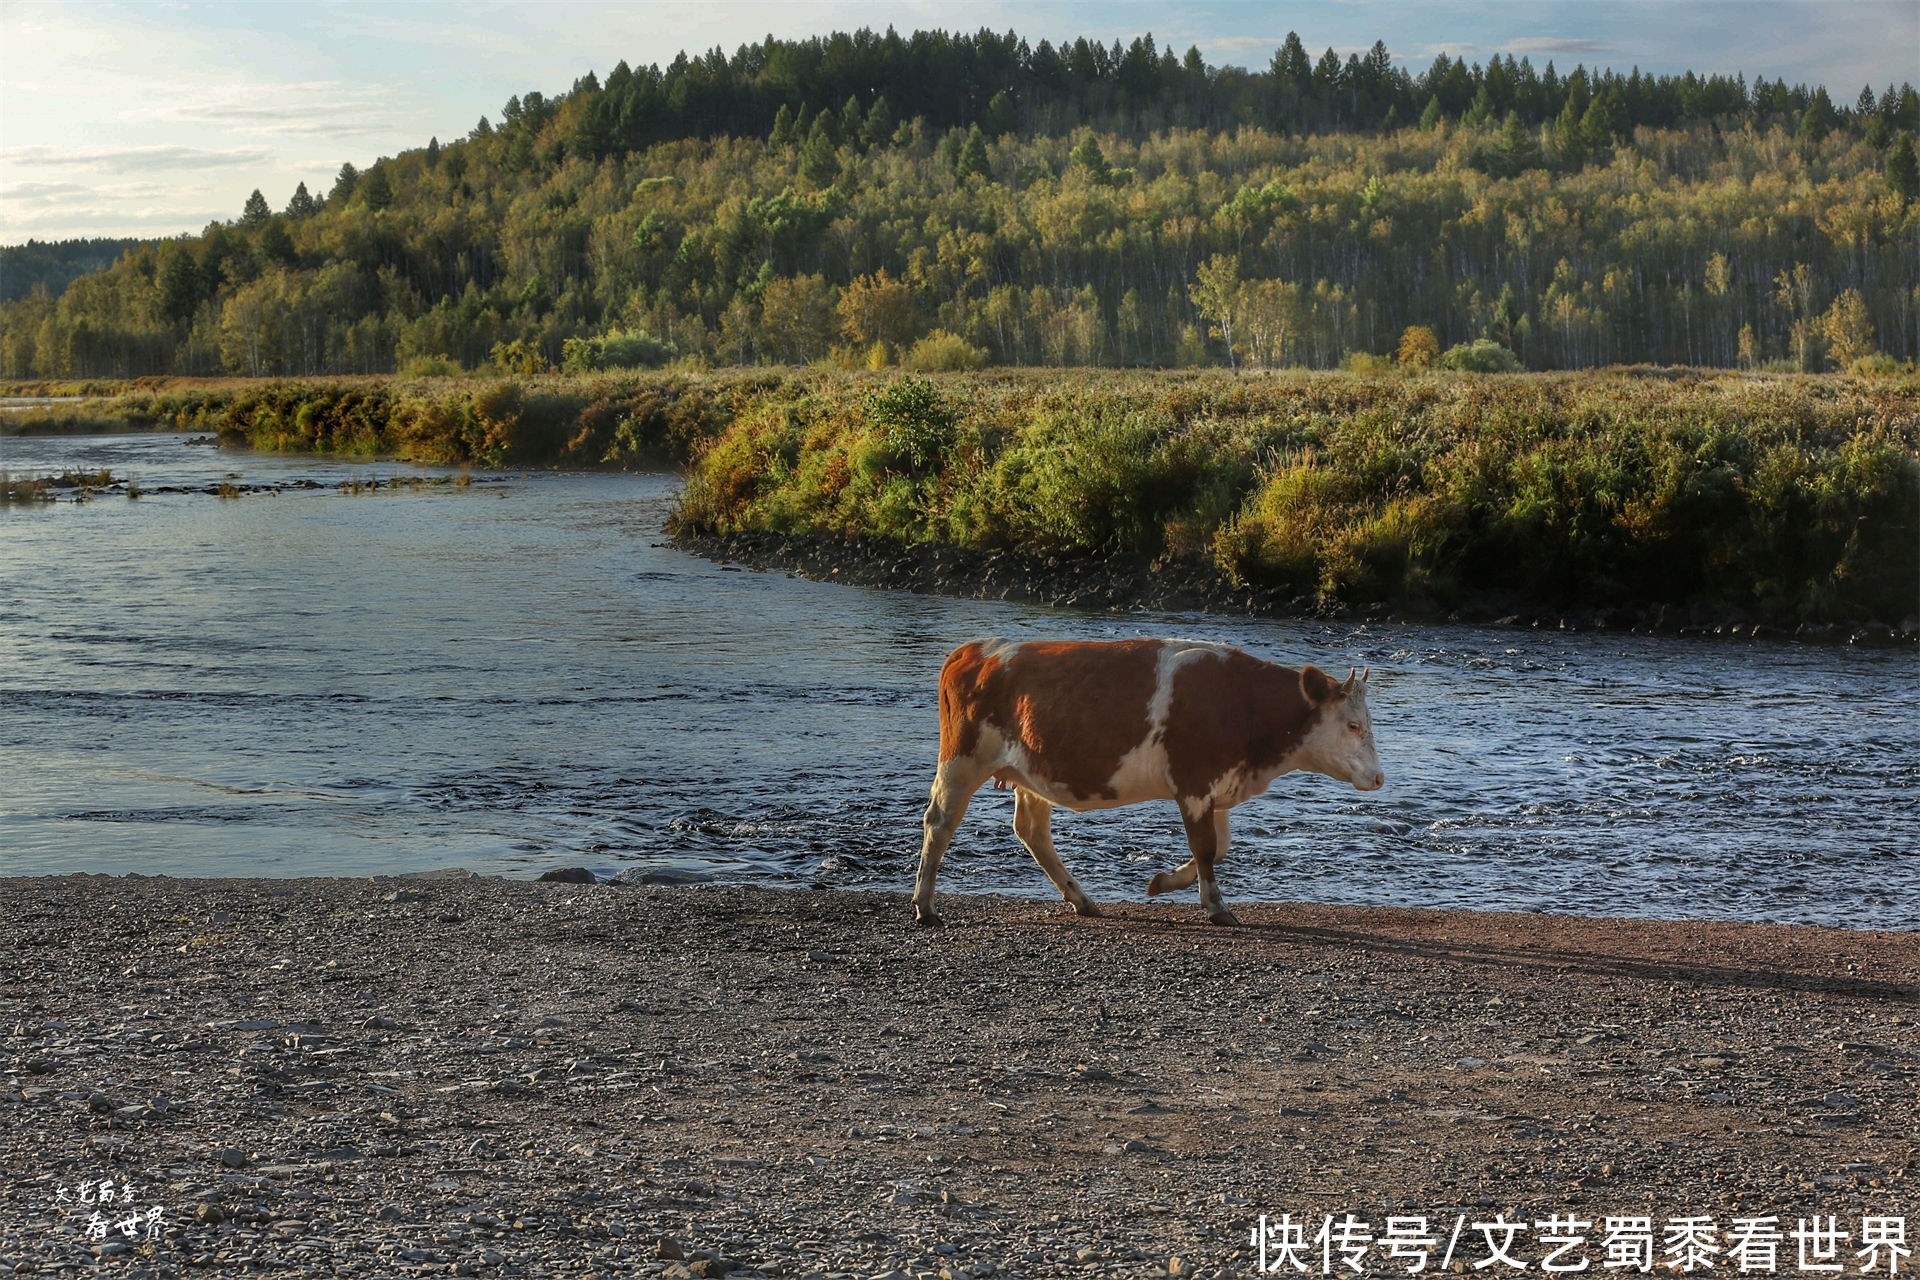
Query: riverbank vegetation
<point x="945" y="202"/>
<point x="1784" y="498"/>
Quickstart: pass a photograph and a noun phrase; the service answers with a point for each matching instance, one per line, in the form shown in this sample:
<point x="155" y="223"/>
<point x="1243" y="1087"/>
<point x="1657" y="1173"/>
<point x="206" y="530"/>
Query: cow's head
<point x="1340" y="744"/>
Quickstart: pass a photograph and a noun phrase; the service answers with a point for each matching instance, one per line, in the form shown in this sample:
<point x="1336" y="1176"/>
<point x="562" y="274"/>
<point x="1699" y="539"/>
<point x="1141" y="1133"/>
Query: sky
<point x="154" y="118"/>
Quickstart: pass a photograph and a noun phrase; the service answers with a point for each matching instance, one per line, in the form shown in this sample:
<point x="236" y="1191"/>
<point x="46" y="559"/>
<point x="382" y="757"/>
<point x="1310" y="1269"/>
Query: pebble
<point x="749" y="1098"/>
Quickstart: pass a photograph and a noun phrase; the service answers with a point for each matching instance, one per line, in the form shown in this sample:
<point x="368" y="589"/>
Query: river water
<point x="516" y="675"/>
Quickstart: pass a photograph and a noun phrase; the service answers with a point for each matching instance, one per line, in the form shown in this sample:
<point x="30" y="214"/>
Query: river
<point x="516" y="675"/>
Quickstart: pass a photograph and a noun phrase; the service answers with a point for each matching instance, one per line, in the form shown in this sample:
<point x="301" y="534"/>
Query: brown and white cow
<point x="1094" y="726"/>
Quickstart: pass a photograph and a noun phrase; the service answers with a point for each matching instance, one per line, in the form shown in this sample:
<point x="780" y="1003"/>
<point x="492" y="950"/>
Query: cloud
<point x="135" y="159"/>
<point x="1241" y="44"/>
<point x="321" y="108"/>
<point x="42" y="193"/>
<point x="1558" y="47"/>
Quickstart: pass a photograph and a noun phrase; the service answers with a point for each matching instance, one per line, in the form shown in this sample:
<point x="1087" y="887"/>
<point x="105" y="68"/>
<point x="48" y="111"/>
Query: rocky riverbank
<point x="491" y="1077"/>
<point x="1082" y="582"/>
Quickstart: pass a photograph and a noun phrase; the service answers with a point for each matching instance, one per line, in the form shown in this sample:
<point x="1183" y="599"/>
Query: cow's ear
<point x="1318" y="686"/>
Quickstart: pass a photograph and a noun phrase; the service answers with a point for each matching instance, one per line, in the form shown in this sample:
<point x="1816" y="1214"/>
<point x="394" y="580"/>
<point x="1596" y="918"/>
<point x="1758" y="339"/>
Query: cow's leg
<point x="1033" y="823"/>
<point x="1187" y="872"/>
<point x="1207" y="837"/>
<point x="954" y="783"/>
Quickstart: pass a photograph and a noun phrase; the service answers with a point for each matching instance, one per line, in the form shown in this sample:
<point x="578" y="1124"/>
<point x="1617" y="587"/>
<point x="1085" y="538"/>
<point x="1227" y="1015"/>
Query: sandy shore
<point x="480" y="1076"/>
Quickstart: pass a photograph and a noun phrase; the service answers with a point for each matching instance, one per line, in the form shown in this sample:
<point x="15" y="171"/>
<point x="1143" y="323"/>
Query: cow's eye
<point x="1354" y="725"/>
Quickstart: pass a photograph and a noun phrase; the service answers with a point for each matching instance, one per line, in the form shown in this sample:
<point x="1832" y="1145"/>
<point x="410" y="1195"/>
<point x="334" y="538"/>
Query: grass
<point x="1779" y="498"/>
<point x="580" y="421"/>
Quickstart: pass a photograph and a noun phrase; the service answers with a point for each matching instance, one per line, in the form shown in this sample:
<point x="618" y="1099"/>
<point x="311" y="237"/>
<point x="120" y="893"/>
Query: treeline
<point x="944" y="202"/>
<point x="53" y="265"/>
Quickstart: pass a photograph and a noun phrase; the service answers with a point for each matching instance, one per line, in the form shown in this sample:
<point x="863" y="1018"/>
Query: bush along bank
<point x="609" y="421"/>
<point x="1650" y="499"/>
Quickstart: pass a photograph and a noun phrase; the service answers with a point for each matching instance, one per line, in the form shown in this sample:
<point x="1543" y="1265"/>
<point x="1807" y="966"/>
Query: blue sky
<point x="152" y="118"/>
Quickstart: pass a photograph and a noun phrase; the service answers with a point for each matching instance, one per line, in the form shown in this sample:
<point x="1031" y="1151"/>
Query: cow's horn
<point x="1364" y="673"/>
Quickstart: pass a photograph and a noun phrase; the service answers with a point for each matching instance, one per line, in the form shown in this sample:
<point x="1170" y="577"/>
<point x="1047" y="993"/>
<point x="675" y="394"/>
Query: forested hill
<point x="54" y="264"/>
<point x="945" y="200"/>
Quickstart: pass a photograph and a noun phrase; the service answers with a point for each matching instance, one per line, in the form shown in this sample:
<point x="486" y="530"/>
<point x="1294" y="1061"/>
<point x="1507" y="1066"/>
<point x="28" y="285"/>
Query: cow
<point x="1089" y="725"/>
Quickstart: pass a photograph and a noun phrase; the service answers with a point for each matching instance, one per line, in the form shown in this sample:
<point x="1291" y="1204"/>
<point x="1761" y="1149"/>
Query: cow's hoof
<point x="1223" y="916"/>
<point x="1157" y="885"/>
<point x="926" y="918"/>
<point x="1091" y="910"/>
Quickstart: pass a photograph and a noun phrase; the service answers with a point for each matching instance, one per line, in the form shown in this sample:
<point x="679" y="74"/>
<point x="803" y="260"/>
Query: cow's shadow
<point x="1189" y="925"/>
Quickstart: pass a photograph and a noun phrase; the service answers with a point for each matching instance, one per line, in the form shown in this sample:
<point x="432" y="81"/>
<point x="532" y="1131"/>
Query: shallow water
<point x="515" y="676"/>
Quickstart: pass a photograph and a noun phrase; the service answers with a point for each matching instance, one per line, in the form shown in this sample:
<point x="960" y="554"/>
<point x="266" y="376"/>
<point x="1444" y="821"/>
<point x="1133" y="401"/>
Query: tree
<point x="1419" y="347"/>
<point x="876" y="309"/>
<point x="275" y="246"/>
<point x="1215" y="294"/>
<point x="1431" y="117"/>
<point x="433" y="152"/>
<point x="798" y="318"/>
<point x="343" y="186"/>
<point x="256" y="213"/>
<point x="973" y="156"/>
<point x="1515" y="151"/>
<point x="1481" y="110"/>
<point x="819" y="164"/>
<point x="782" y="135"/>
<point x="1600" y="123"/>
<point x="878" y="129"/>
<point x="1568" y="141"/>
<point x="1793" y="290"/>
<point x="1087" y="155"/>
<point x="1848" y="329"/>
<point x="179" y="286"/>
<point x="302" y="205"/>
<point x="1903" y="173"/>
<point x="851" y="125"/>
<point x="377" y="189"/>
<point x="1000" y="116"/>
<point x="1817" y="119"/>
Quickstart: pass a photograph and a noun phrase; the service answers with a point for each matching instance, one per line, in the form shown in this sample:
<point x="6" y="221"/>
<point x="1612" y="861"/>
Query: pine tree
<point x="878" y="130"/>
<point x="1482" y="109"/>
<point x="433" y="152"/>
<point x="973" y="156"/>
<point x="1516" y="151"/>
<point x="275" y="245"/>
<point x="1598" y="125"/>
<point x="782" y="135"/>
<point x="302" y="205"/>
<point x="343" y="185"/>
<point x="377" y="190"/>
<point x="1000" y="116"/>
<point x="1903" y="172"/>
<point x="1430" y="118"/>
<point x="818" y="163"/>
<point x="256" y="213"/>
<point x="1569" y="144"/>
<point x="1087" y="155"/>
<point x="851" y="124"/>
<point x="179" y="286"/>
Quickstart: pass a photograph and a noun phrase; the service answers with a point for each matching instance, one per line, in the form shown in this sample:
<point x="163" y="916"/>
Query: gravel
<point x="477" y="1076"/>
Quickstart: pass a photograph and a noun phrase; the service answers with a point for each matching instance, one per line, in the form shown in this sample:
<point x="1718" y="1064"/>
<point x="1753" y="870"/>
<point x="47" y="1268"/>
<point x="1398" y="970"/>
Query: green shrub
<point x="430" y="367"/>
<point x="943" y="352"/>
<point x="1481" y="356"/>
<point x="914" y="422"/>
